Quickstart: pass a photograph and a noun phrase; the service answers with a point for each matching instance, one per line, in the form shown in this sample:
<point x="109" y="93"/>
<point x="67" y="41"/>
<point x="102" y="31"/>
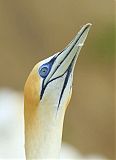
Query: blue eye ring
<point x="45" y="68"/>
<point x="44" y="71"/>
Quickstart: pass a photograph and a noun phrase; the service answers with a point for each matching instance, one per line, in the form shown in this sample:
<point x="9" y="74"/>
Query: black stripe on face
<point x="51" y="62"/>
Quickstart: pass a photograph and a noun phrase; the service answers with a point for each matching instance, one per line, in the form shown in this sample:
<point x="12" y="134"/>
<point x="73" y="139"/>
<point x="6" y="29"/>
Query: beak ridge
<point x="70" y="53"/>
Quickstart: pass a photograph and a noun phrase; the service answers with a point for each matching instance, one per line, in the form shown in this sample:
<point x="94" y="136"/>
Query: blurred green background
<point x="33" y="30"/>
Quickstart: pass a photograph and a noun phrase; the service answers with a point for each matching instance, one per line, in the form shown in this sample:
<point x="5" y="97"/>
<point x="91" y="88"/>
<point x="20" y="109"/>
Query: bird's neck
<point x="43" y="132"/>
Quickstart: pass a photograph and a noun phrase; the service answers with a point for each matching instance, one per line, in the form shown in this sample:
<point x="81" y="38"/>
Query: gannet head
<point x="50" y="82"/>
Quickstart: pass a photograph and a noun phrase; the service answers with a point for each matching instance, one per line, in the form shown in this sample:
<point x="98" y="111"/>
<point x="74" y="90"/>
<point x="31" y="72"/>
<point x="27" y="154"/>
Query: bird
<point x="47" y="93"/>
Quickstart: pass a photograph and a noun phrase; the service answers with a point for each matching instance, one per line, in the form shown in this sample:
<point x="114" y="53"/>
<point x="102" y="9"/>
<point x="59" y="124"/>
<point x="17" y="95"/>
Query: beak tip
<point x="88" y="24"/>
<point x="82" y="34"/>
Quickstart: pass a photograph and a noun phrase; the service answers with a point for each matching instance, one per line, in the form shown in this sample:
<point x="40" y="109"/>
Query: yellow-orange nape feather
<point x="32" y="88"/>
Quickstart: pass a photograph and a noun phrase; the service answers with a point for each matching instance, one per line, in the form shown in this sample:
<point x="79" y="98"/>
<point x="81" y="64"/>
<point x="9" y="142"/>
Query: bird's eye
<point x="46" y="67"/>
<point x="43" y="71"/>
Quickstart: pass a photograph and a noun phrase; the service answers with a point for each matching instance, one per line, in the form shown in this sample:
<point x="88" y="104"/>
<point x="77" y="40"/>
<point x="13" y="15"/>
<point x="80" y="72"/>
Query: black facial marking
<point x="50" y="63"/>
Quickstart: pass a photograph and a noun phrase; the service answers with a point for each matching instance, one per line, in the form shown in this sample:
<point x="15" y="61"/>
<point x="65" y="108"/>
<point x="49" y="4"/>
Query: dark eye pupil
<point x="44" y="69"/>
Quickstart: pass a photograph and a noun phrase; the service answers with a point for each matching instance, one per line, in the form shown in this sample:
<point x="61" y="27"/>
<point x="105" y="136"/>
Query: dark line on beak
<point x="66" y="80"/>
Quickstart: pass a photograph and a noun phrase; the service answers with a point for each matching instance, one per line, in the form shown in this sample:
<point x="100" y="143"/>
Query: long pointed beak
<point x="67" y="57"/>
